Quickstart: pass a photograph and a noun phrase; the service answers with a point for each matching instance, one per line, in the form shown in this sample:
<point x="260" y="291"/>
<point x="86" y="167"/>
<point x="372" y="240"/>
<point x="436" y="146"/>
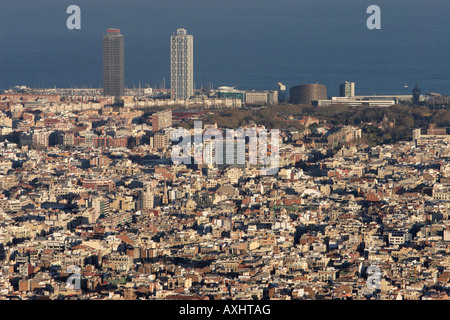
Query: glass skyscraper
<point x="113" y="63"/>
<point x="182" y="65"/>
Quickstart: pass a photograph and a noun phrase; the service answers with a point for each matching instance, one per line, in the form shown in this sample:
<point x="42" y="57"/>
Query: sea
<point x="248" y="44"/>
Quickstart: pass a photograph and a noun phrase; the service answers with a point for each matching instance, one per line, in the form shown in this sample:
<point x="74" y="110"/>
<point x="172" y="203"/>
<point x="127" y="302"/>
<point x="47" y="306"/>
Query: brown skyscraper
<point x="113" y="64"/>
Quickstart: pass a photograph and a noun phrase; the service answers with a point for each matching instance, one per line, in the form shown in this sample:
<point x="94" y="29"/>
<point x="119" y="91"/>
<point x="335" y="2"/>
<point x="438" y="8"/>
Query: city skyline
<point x="300" y="152"/>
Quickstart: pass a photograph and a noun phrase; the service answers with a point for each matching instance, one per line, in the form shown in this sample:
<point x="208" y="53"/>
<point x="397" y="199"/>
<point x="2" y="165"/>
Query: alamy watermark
<point x="374" y="278"/>
<point x="74" y="20"/>
<point x="374" y="21"/>
<point x="209" y="146"/>
<point x="74" y="281"/>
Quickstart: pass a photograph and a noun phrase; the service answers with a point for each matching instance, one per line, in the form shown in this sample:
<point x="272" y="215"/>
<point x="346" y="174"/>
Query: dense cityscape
<point x="94" y="207"/>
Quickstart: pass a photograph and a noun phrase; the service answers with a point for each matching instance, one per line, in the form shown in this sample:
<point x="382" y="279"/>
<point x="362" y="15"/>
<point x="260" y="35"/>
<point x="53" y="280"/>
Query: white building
<point x="398" y="238"/>
<point x="261" y="97"/>
<point x="357" y="101"/>
<point x="347" y="89"/>
<point x="147" y="198"/>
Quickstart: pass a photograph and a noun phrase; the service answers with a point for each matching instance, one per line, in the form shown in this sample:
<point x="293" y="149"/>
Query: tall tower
<point x="146" y="198"/>
<point x="347" y="89"/>
<point x="182" y="65"/>
<point x="281" y="92"/>
<point x="113" y="64"/>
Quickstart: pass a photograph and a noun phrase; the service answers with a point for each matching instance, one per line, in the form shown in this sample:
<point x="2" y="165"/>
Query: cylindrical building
<point x="308" y="94"/>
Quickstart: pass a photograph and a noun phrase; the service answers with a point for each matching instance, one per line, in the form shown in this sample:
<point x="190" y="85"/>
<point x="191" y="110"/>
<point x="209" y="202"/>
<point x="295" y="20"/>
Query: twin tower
<point x="181" y="64"/>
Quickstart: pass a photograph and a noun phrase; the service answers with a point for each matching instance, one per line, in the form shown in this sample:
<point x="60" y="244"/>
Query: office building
<point x="272" y="97"/>
<point x="347" y="89"/>
<point x="281" y="92"/>
<point x="261" y="97"/>
<point x="113" y="64"/>
<point x="182" y="65"/>
<point x="367" y="101"/>
<point x="230" y="93"/>
<point x="433" y="135"/>
<point x="256" y="97"/>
